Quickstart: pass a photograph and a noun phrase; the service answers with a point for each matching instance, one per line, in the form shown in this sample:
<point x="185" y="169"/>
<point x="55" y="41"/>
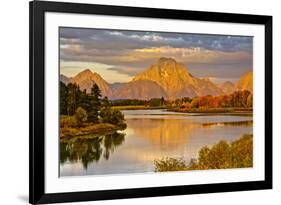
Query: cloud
<point x="135" y="60"/>
<point x="118" y="39"/>
<point x="200" y="62"/>
<point x="130" y="52"/>
<point x="192" y="55"/>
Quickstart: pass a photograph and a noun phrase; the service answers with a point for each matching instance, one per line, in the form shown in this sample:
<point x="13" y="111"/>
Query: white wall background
<point x="14" y="100"/>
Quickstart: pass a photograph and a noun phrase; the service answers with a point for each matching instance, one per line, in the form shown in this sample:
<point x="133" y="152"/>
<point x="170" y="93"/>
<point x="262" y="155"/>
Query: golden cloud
<point x="188" y="55"/>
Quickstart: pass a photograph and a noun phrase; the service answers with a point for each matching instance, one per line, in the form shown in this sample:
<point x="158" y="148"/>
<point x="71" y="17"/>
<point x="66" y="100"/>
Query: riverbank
<point x="228" y="111"/>
<point x="234" y="123"/>
<point x="88" y="129"/>
<point x="208" y="111"/>
<point x="137" y="107"/>
<point x="144" y="134"/>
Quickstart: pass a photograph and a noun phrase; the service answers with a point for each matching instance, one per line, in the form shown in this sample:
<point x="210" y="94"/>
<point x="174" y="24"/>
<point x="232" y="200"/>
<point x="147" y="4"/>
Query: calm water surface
<point x="150" y="135"/>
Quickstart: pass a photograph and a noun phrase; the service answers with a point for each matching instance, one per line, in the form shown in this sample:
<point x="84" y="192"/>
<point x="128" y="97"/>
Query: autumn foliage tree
<point x="250" y="100"/>
<point x="222" y="155"/>
<point x="238" y="99"/>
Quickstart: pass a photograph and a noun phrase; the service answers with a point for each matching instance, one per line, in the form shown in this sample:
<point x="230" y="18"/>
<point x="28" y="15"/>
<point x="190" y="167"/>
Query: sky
<point x="118" y="55"/>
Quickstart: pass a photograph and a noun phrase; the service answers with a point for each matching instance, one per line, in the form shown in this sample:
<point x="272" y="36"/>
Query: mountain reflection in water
<point x="150" y="135"/>
<point x="166" y="133"/>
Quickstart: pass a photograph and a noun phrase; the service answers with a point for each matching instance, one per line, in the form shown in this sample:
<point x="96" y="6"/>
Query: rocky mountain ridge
<point x="166" y="78"/>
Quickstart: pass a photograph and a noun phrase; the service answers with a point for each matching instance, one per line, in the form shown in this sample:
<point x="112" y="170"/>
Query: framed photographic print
<point x="140" y="102"/>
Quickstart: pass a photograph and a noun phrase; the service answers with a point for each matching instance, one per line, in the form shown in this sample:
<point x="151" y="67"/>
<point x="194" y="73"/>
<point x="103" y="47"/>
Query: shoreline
<point x="138" y="107"/>
<point x="190" y="110"/>
<point x="88" y="131"/>
<point x="194" y="111"/>
<point x="231" y="123"/>
<point x="215" y="111"/>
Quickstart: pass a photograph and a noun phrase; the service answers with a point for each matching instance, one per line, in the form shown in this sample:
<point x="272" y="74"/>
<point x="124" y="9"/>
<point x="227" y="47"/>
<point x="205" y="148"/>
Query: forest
<point x="238" y="99"/>
<point x="83" y="113"/>
<point x="239" y="102"/>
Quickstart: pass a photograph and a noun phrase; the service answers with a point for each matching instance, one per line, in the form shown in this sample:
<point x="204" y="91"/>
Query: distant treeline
<point x="238" y="99"/>
<point x="71" y="97"/>
<point x="154" y="102"/>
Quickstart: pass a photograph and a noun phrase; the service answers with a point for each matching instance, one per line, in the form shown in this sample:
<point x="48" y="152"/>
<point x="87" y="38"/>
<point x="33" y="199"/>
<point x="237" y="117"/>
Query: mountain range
<point x="165" y="78"/>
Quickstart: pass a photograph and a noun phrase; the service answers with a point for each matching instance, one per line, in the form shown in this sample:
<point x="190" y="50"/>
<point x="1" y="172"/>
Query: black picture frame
<point x="37" y="9"/>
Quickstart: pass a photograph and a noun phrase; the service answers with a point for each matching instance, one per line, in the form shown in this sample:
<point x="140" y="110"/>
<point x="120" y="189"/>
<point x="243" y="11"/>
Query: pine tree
<point x="162" y="101"/>
<point x="63" y="98"/>
<point x="72" y="98"/>
<point x="84" y="101"/>
<point x="95" y="103"/>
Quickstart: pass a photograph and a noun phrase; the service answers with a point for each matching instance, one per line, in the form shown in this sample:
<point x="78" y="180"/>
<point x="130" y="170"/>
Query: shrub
<point x="67" y="121"/>
<point x="242" y="152"/>
<point x="223" y="155"/>
<point x="112" y="116"/>
<point x="170" y="164"/>
<point x="80" y="116"/>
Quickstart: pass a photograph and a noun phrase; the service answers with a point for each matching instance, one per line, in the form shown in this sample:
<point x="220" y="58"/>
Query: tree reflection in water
<point x="90" y="150"/>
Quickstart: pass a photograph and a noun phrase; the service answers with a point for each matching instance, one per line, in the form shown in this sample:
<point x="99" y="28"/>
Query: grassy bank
<point x="137" y="107"/>
<point x="235" y="123"/>
<point x="87" y="129"/>
<point x="213" y="110"/>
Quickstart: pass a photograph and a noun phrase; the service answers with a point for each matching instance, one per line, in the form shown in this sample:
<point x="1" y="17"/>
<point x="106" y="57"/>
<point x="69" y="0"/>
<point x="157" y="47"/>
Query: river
<point x="150" y="135"/>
